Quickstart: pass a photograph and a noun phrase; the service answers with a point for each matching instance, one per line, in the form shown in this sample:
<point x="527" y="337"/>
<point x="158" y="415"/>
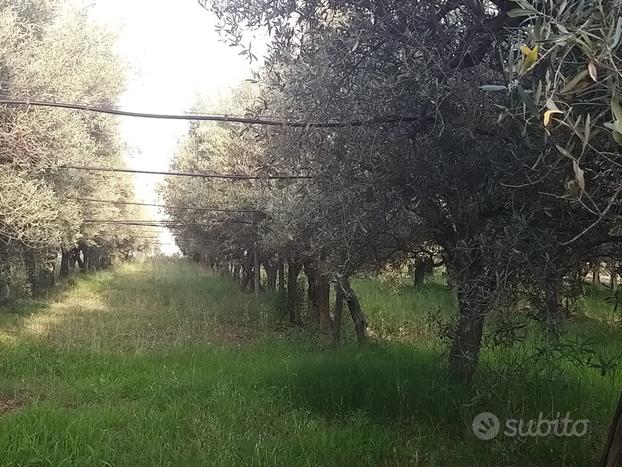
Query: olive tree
<point x="40" y="42"/>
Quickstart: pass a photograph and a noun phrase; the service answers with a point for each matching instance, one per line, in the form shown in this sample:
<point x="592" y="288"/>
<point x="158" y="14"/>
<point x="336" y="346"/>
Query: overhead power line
<point x="156" y="223"/>
<point x="211" y="117"/>
<point x="190" y="208"/>
<point x="186" y="174"/>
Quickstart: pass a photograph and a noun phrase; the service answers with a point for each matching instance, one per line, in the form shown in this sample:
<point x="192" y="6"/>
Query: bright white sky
<point x="174" y="55"/>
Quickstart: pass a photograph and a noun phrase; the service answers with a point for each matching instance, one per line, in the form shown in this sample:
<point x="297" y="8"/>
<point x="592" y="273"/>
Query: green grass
<point x="400" y="310"/>
<point x="164" y="364"/>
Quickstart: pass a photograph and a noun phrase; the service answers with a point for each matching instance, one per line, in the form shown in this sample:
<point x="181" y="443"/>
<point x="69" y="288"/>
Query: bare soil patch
<point x="8" y="404"/>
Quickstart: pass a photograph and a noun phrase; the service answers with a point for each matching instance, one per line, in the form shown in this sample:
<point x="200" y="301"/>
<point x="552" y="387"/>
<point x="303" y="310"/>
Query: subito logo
<point x="486" y="426"/>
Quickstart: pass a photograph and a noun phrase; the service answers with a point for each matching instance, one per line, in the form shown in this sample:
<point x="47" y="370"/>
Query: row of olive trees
<point x="495" y="141"/>
<point x="507" y="155"/>
<point x="472" y="157"/>
<point x="49" y="52"/>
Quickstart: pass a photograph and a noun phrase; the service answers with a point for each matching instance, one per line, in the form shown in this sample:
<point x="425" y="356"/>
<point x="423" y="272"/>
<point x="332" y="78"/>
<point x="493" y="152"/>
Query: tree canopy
<point x="39" y="216"/>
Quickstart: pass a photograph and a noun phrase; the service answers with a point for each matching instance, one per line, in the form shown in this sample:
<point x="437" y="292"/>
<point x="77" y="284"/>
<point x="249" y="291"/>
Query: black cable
<point x="207" y="117"/>
<point x="190" y="208"/>
<point x="186" y="174"/>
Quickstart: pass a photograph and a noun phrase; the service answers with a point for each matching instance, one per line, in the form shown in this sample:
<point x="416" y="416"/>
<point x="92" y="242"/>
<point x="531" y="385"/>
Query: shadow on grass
<point x="383" y="383"/>
<point x="411" y="388"/>
<point x="14" y="314"/>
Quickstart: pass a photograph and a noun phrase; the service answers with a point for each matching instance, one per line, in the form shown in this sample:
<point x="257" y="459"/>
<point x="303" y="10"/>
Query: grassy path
<point x="162" y="364"/>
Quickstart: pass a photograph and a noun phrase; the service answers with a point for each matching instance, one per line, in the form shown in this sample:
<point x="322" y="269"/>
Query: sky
<point x="174" y="56"/>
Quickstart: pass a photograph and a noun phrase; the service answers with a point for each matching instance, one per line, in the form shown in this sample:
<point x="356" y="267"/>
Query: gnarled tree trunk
<point x="466" y="344"/>
<point x="474" y="296"/>
<point x="356" y="313"/>
<point x="424" y="266"/>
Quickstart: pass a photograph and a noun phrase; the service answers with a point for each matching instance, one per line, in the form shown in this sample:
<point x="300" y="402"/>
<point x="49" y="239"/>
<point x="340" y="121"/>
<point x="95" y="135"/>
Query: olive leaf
<point x="548" y="114"/>
<point x="592" y="71"/>
<point x="530" y="57"/>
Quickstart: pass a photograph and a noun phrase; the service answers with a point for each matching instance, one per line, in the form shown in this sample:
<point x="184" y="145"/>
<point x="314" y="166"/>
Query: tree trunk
<point x="338" y="314"/>
<point x="424" y="266"/>
<point x="74" y="258"/>
<point x="354" y="306"/>
<point x="271" y="273"/>
<point x="554" y="307"/>
<point x="87" y="259"/>
<point x="236" y="272"/>
<point x="596" y="275"/>
<point x="281" y="277"/>
<point x="256" y="272"/>
<point x="293" y="270"/>
<point x="247" y="276"/>
<point x="46" y="272"/>
<point x="612" y="456"/>
<point x="319" y="297"/>
<point x="323" y="302"/>
<point x="47" y="277"/>
<point x="80" y="261"/>
<point x="64" y="263"/>
<point x="467" y="340"/>
<point x="312" y="282"/>
<point x="476" y="293"/>
<point x="31" y="270"/>
<point x="420" y="272"/>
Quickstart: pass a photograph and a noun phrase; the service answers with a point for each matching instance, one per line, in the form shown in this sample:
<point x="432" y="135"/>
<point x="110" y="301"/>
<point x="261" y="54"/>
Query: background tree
<point x="39" y="42"/>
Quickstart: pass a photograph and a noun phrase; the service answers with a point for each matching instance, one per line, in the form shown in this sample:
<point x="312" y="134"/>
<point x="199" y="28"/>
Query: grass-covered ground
<point x="164" y="364"/>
